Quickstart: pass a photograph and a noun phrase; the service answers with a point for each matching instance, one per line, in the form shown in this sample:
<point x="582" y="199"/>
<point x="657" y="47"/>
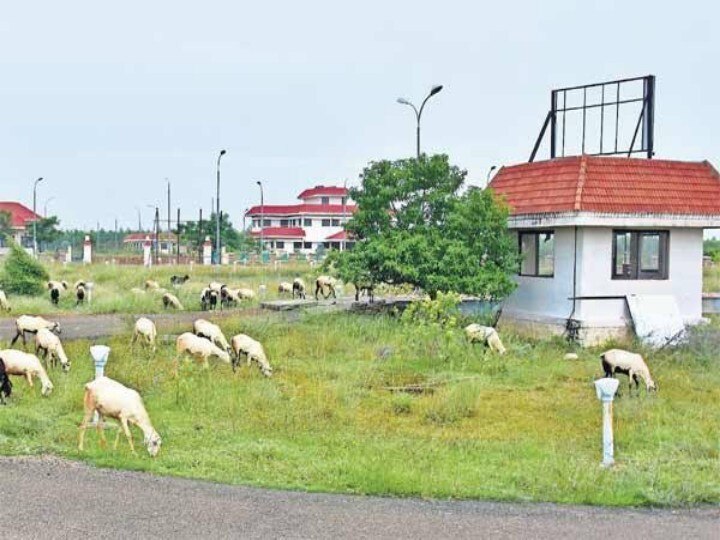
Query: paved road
<point x="53" y="498"/>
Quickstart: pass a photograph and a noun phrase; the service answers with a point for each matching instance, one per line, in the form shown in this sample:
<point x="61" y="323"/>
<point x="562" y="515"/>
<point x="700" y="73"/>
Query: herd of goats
<point x="106" y="397"/>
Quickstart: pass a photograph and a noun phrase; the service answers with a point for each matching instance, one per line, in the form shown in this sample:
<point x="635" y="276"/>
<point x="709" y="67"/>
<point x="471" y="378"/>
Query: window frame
<point x="307" y="222"/>
<point x="637" y="273"/>
<point x="326" y="222"/>
<point x="536" y="233"/>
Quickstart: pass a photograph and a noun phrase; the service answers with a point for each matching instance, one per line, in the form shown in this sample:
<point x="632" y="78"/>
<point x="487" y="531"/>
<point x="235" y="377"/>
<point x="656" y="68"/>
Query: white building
<point x="593" y="230"/>
<point x="317" y="221"/>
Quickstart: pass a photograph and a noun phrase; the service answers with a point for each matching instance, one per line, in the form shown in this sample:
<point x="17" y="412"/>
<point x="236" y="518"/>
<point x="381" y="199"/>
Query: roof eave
<point x="608" y="219"/>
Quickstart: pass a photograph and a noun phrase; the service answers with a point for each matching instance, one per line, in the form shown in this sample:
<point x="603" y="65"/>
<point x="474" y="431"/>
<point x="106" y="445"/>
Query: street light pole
<point x="217" y="213"/>
<point x="487" y="179"/>
<point x="344" y="218"/>
<point x="418" y="112"/>
<point x="262" y="218"/>
<point x="47" y="201"/>
<point x="35" y="216"/>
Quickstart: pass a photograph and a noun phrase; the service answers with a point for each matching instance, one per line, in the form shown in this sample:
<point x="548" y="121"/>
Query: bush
<point x="21" y="273"/>
<point x="442" y="312"/>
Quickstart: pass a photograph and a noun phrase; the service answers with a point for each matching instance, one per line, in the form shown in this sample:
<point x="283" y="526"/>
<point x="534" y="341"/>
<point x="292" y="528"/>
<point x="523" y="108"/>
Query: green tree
<point x="413" y="226"/>
<point x="5" y="224"/>
<point x="21" y="273"/>
<point x="191" y="234"/>
<point x="47" y="230"/>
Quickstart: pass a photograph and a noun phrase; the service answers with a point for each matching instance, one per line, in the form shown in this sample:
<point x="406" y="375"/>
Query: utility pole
<point x="217" y="214"/>
<point x="168" y="212"/>
<point x="177" y="260"/>
<point x="157" y="234"/>
<point x="35" y="247"/>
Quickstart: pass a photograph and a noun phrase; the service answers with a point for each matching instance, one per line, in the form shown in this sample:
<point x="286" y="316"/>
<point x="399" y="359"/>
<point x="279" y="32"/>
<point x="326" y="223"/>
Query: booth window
<point x="537" y="253"/>
<point x="640" y="254"/>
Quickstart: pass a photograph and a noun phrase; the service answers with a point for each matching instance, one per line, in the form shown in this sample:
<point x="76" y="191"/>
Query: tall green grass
<point x="522" y="427"/>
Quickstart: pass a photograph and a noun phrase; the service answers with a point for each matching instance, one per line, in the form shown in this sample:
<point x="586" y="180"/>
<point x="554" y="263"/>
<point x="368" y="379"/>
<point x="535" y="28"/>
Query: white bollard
<point x="100" y="355"/>
<point x="87" y="250"/>
<point x="605" y="389"/>
<point x="89" y="285"/>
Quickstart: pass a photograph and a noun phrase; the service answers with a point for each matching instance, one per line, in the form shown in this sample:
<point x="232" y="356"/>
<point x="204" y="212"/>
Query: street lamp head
<point x="403" y="101"/>
<point x="259" y="183"/>
<point x="222" y="152"/>
<point x="436" y="89"/>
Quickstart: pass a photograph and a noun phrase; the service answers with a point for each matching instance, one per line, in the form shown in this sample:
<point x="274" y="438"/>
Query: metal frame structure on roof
<point x="610" y="103"/>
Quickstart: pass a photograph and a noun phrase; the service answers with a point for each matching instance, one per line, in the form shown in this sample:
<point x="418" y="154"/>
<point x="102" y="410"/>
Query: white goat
<point x="208" y="330"/>
<point x="50" y="345"/>
<point x="200" y="348"/>
<point x="151" y="284"/>
<point x="26" y="365"/>
<point x="170" y="300"/>
<point x="145" y="330"/>
<point x="298" y="287"/>
<point x="215" y="286"/>
<point x="30" y="325"/>
<point x="485" y="334"/>
<point x="4" y="304"/>
<point x="245" y="294"/>
<point x="110" y="398"/>
<point x="253" y="350"/>
<point x="325" y="282"/>
<point x="630" y="364"/>
<point x="285" y="287"/>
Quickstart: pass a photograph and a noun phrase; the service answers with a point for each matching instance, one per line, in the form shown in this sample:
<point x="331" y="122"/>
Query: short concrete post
<point x="87" y="250"/>
<point x="224" y="257"/>
<point x="605" y="389"/>
<point x="207" y="252"/>
<point x="68" y="255"/>
<point x="147" y="252"/>
<point x="100" y="355"/>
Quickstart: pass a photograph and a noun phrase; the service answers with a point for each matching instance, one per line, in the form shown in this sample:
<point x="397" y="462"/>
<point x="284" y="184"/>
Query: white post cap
<point x="100" y="353"/>
<point x="606" y="388"/>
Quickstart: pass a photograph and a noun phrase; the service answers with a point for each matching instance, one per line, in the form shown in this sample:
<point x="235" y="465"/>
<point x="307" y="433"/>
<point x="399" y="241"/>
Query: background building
<point x="317" y="221"/>
<point x="21" y="220"/>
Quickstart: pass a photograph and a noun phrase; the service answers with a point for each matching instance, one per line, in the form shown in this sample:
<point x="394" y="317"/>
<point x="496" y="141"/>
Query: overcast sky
<point x="106" y="100"/>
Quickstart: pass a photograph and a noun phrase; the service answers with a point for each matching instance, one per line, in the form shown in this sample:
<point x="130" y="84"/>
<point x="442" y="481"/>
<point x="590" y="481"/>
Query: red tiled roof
<point x="327" y="191"/>
<point x="340" y="235"/>
<point x="294" y="209"/>
<point x="610" y="185"/>
<point x="280" y="232"/>
<point x="20" y="214"/>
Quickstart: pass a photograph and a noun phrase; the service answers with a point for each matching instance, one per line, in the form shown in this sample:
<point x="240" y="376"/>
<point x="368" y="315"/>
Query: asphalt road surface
<point x="49" y="497"/>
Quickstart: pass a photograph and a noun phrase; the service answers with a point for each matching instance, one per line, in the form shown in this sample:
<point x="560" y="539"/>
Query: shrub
<point x="442" y="312"/>
<point x="21" y="273"/>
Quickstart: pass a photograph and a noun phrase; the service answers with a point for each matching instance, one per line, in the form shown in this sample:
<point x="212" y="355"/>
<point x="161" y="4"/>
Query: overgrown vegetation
<point x="525" y="426"/>
<point x="21" y="274"/>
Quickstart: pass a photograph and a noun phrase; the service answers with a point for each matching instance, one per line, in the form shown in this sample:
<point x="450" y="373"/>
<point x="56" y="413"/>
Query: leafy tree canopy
<point x="413" y="225"/>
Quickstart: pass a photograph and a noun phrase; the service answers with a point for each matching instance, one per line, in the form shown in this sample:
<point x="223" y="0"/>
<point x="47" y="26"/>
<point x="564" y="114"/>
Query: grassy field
<point x="711" y="279"/>
<point x="113" y="286"/>
<point x="522" y="427"/>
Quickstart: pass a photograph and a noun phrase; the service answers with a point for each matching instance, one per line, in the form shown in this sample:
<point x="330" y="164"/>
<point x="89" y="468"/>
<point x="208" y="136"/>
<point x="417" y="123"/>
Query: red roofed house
<point x="594" y="230"/>
<point x="21" y="219"/>
<point x="317" y="221"/>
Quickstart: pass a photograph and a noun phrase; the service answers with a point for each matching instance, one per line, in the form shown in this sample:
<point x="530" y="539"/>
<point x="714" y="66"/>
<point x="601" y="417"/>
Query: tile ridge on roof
<point x="582" y="176"/>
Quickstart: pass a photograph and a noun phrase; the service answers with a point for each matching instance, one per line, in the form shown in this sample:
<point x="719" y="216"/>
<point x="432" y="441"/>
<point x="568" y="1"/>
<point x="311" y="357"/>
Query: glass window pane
<point x="623" y="261"/>
<point x="528" y="252"/>
<point x="650" y="252"/>
<point x="546" y="254"/>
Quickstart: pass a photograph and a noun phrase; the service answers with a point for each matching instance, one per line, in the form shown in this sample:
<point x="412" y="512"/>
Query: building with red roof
<point x="21" y="220"/>
<point x="593" y="231"/>
<point x="316" y="221"/>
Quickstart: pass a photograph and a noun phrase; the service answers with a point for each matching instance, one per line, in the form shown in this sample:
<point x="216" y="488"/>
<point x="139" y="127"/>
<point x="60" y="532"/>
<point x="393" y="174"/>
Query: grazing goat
<point x="30" y="325"/>
<point x="485" y="334"/>
<point x="245" y="294"/>
<point x="4" y="304"/>
<point x="215" y="286"/>
<point x="145" y="330"/>
<point x="253" y="350"/>
<point x="228" y="297"/>
<point x="51" y="348"/>
<point x="176" y="281"/>
<point x="80" y="294"/>
<point x="200" y="348"/>
<point x="5" y="383"/>
<point x="151" y="284"/>
<point x="110" y="398"/>
<point x="365" y="287"/>
<point x="298" y="288"/>
<point x="206" y="329"/>
<point x="26" y="365"/>
<point x="322" y="283"/>
<point x="285" y="287"/>
<point x="170" y="300"/>
<point x="208" y="299"/>
<point x="630" y="364"/>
